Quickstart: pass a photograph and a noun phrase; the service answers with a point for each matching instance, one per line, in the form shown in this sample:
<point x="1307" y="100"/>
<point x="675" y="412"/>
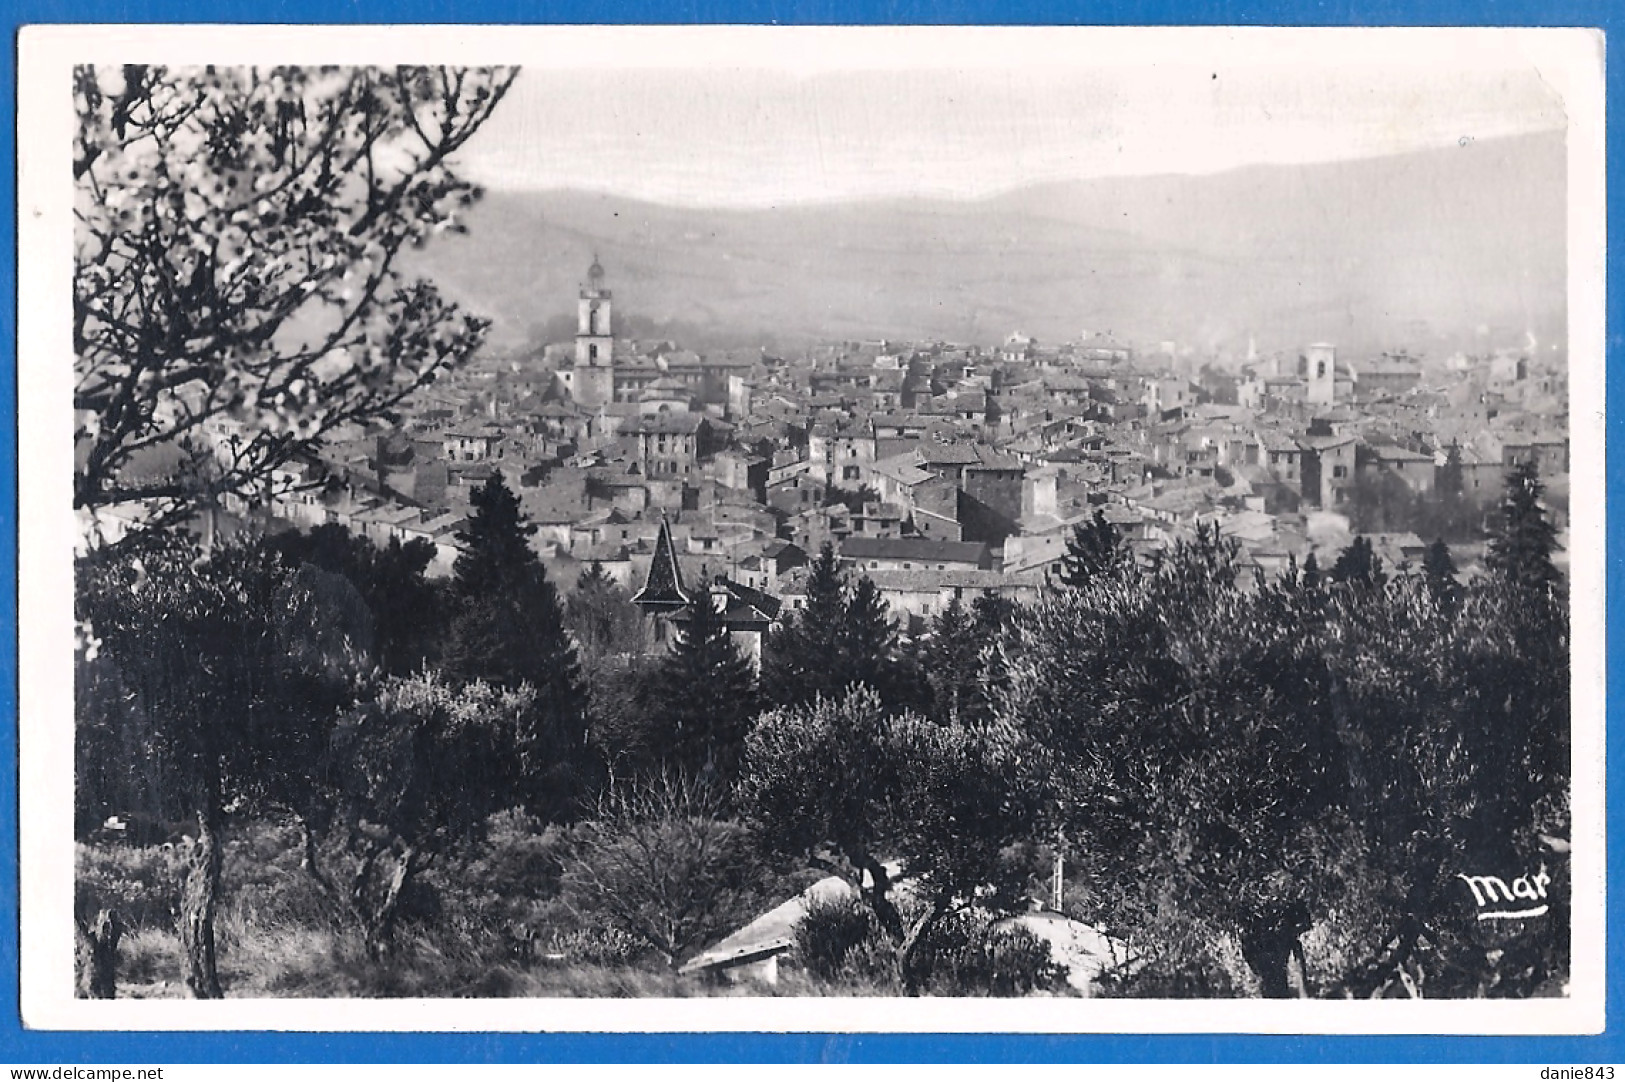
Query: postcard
<point x="749" y="528"/>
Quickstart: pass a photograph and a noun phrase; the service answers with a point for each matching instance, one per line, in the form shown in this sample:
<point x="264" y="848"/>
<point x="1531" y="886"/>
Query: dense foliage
<point x="849" y="787"/>
<point x="843" y="635"/>
<point x="702" y="697"/>
<point x="1254" y="759"/>
<point x="1258" y="787"/>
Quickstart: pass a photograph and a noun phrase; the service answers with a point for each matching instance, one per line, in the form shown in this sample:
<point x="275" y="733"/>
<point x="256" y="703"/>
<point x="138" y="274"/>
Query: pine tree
<point x="703" y="696"/>
<point x="509" y="630"/>
<point x="952" y="664"/>
<point x="594" y="578"/>
<point x="867" y="644"/>
<point x="1522" y="538"/>
<point x="495" y="540"/>
<point x="1094" y="549"/>
<point x="602" y="616"/>
<point x="408" y="608"/>
<point x="803" y="656"/>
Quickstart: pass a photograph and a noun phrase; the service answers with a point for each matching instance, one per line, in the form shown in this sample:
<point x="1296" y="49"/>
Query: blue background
<point x="33" y="1047"/>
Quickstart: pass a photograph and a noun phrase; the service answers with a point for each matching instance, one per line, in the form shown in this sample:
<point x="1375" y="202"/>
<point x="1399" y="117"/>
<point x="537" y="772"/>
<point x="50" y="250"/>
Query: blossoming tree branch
<point x="238" y="289"/>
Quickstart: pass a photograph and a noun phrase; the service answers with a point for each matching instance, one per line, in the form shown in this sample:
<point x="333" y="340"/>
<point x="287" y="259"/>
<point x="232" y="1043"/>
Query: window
<point x="1340" y="471"/>
<point x="592" y="351"/>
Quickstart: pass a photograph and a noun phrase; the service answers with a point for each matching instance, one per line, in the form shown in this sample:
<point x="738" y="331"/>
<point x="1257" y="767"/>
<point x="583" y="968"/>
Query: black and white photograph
<point x="908" y="528"/>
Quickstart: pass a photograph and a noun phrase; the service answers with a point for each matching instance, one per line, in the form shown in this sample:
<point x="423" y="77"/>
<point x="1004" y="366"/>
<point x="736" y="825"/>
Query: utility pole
<point x="1057" y="878"/>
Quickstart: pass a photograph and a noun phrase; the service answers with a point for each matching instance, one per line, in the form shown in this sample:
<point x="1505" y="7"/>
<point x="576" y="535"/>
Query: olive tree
<point x="881" y="798"/>
<point x="216" y="679"/>
<point x="413" y="770"/>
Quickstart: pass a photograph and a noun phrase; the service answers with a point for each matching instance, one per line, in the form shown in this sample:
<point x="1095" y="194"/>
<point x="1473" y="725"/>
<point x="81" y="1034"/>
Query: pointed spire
<point x="663" y="589"/>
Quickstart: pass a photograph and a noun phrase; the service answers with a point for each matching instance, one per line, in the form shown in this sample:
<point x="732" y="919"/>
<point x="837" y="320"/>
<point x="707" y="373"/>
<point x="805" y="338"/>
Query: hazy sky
<point x="757" y="120"/>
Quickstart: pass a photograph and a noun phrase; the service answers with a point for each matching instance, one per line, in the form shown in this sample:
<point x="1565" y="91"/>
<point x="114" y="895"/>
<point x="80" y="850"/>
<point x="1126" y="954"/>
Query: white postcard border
<point x="1570" y="60"/>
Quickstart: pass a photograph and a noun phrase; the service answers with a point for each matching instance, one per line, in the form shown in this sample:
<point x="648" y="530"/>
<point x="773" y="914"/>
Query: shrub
<point x="1181" y="958"/>
<point x="965" y="954"/>
<point x="141" y="884"/>
<point x="658" y="863"/>
<point x="827" y="935"/>
<point x="506" y="888"/>
<point x="605" y="946"/>
<point x="968" y="955"/>
<point x="264" y="883"/>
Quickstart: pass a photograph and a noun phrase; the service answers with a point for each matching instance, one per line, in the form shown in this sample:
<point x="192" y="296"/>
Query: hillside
<point x="1419" y="249"/>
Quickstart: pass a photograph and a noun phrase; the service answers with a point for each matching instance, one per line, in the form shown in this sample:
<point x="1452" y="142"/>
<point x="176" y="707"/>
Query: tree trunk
<point x="379" y="919"/>
<point x="1375" y="977"/>
<point x="199" y="896"/>
<point x="878" y="895"/>
<point x="98" y="955"/>
<point x="310" y="861"/>
<point x="1270" y="959"/>
<point x="1269" y="944"/>
<point x="907" y="972"/>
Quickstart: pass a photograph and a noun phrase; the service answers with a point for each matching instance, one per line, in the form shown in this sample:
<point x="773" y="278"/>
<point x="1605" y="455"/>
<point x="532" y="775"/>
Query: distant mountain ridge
<point x="1424" y="250"/>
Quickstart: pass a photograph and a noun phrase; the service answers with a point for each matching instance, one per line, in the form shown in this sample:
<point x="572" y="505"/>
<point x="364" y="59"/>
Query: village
<point x="938" y="470"/>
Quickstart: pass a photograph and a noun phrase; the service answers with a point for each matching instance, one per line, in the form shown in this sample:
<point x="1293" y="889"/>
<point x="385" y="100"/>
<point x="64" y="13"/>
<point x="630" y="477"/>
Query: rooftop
<point x="907" y="548"/>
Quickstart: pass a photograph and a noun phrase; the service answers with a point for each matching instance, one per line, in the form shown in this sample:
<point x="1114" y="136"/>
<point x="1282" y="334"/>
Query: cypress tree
<point x="1439" y="569"/>
<point x="1311" y="572"/>
<point x="1521" y="537"/>
<point x="1359" y="565"/>
<point x="704" y="695"/>
<point x="1450" y="475"/>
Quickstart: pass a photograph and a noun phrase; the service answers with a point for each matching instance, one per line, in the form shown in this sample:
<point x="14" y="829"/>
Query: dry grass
<point x="298" y="963"/>
<point x="278" y="936"/>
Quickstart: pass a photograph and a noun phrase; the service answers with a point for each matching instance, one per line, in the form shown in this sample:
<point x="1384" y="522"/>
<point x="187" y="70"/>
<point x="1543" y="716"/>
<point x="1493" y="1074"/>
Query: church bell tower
<point x="595" y="340"/>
